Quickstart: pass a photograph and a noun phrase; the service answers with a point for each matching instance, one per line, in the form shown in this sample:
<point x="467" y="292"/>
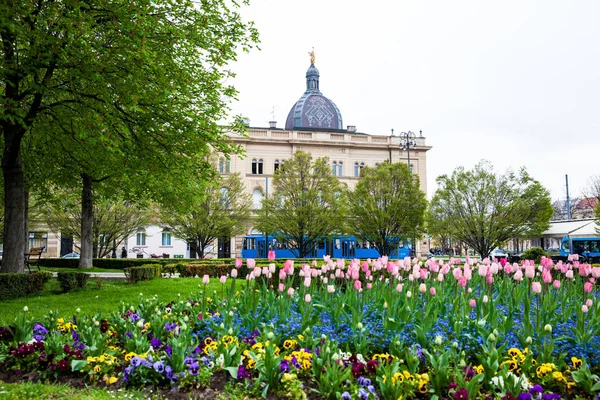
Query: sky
<point x="515" y="82"/>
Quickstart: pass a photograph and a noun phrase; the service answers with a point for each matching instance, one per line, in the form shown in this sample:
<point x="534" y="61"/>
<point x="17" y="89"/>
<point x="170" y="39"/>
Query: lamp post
<point x="408" y="140"/>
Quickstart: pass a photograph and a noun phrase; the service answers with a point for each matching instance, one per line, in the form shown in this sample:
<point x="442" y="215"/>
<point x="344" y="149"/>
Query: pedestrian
<point x="124" y="252"/>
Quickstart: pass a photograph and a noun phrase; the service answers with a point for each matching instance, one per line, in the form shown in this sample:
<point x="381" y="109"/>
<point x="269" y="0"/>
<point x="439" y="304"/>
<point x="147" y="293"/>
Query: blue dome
<point x="314" y="110"/>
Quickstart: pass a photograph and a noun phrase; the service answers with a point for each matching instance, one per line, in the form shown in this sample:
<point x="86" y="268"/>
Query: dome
<point x="314" y="110"/>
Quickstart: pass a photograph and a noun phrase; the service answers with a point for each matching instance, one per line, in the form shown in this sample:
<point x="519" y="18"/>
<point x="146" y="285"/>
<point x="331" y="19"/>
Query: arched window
<point x="275" y="165"/>
<point x="221" y="165"/>
<point x="227" y="166"/>
<point x="260" y="166"/>
<point x="340" y="169"/>
<point x="166" y="237"/>
<point x="334" y="168"/>
<point x="257" y="197"/>
<point x="225" y="200"/>
<point x="254" y="167"/>
<point x="356" y="170"/>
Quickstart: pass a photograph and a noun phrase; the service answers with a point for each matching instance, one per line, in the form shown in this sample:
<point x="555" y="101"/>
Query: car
<point x="71" y="255"/>
<point x="498" y="253"/>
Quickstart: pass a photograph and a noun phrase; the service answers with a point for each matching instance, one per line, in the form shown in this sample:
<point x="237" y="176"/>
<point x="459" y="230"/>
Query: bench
<point x="33" y="257"/>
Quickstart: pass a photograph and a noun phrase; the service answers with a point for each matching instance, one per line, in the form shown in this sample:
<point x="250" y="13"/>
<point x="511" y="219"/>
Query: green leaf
<point x="77" y="365"/>
<point x="233" y="371"/>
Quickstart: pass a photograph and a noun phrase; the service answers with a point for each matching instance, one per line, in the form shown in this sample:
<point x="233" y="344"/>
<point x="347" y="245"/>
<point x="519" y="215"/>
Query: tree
<point x="222" y="211"/>
<point x="308" y="204"/>
<point x="113" y="220"/>
<point x="126" y="88"/>
<point x="388" y="206"/>
<point x="485" y="209"/>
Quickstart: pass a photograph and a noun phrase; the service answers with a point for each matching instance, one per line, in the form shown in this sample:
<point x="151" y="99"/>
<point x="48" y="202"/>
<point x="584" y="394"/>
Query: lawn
<point x="18" y="391"/>
<point x="100" y="296"/>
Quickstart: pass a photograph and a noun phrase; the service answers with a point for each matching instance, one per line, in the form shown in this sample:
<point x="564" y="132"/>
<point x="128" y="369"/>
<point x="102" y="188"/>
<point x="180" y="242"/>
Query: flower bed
<point x="333" y="329"/>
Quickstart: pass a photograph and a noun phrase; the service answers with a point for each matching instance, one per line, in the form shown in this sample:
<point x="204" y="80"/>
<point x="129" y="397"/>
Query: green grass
<point x="48" y="269"/>
<point x="92" y="300"/>
<point x="28" y="390"/>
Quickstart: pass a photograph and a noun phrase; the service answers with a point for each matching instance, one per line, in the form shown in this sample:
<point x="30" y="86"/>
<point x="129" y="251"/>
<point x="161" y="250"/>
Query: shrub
<point x="143" y="273"/>
<point x="37" y="281"/>
<point x="13" y="286"/>
<point x="71" y="280"/>
<point x="534" y="253"/>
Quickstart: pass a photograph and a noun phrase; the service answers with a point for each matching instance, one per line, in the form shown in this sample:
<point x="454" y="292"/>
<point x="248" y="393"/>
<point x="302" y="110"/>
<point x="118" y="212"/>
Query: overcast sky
<point x="516" y="82"/>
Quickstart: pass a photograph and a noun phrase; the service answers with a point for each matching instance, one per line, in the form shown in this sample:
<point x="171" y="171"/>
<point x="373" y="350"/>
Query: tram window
<point x="321" y="244"/>
<point x="245" y="244"/>
<point x="337" y="244"/>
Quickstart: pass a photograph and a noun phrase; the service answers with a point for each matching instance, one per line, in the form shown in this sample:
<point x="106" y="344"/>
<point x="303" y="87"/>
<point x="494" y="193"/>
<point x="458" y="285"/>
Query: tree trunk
<point x="85" y="260"/>
<point x="14" y="202"/>
<point x="26" y="220"/>
<point x="200" y="249"/>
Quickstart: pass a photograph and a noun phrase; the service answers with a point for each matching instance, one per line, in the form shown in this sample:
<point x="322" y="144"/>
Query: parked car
<point x="498" y="253"/>
<point x="71" y="255"/>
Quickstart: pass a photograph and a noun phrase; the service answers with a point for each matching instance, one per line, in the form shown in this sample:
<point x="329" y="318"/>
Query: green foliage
<point x="143" y="273"/>
<point x="72" y="280"/>
<point x="388" y="206"/>
<point x="308" y="203"/>
<point x="113" y="220"/>
<point x="37" y="281"/>
<point x="534" y="253"/>
<point x="222" y="210"/>
<point x="13" y="286"/>
<point x="484" y="209"/>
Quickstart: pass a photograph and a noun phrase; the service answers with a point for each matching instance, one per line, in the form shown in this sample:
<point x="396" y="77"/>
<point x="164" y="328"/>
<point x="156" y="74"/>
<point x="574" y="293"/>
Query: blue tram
<point x="348" y="247"/>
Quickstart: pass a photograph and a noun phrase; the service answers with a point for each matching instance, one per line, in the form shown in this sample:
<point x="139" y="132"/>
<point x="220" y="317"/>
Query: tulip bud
<point x="186" y="318"/>
<point x="548" y="328"/>
<point x="270" y="335"/>
<point x="438" y="340"/>
<point x="359" y="326"/>
<point x="492" y="337"/>
<point x="455" y="345"/>
<point x="25" y="309"/>
<point x="529" y="340"/>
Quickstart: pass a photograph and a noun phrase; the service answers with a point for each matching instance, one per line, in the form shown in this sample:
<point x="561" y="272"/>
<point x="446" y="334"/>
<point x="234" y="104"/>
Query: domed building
<point x="313" y="110"/>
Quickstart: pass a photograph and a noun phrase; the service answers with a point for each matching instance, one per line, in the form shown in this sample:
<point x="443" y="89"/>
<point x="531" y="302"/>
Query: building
<point x="314" y="125"/>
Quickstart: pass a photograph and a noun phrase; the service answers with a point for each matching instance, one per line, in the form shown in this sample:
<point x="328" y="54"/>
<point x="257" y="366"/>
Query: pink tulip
<point x="324" y="280"/>
<point x="369" y="285"/>
<point x="330" y="288"/>
<point x="205" y="280"/>
<point x="503" y="261"/>
<point x="265" y="270"/>
<point x="271" y="255"/>
<point x="556" y="284"/>
<point x="483" y="270"/>
<point x="281" y="287"/>
<point x="518" y="276"/>
<point x="250" y="263"/>
<point x="290" y="291"/>
<point x="272" y="268"/>
<point x="587" y="287"/>
<point x="530" y="271"/>
<point x="489" y="279"/>
<point x="569" y="273"/>
<point x="257" y="271"/>
<point x="307" y="298"/>
<point x="585" y="269"/>
<point x="546" y="276"/>
<point x="536" y="287"/>
<point x="589" y="302"/>
<point x="462" y="281"/>
<point x="399" y="287"/>
<point x="234" y="273"/>
<point x="307" y="281"/>
<point x="408" y="294"/>
<point x="238" y="262"/>
<point x="440" y="277"/>
<point x="357" y="285"/>
<point x="282" y="275"/>
<point x="584" y="308"/>
<point x="422" y="288"/>
<point x="432" y="291"/>
<point x="485" y="298"/>
<point x="288" y="267"/>
<point x="223" y="278"/>
<point x="472" y="303"/>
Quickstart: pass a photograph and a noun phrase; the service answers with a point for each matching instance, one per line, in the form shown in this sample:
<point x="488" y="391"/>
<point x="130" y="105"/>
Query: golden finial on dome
<point x="312" y="56"/>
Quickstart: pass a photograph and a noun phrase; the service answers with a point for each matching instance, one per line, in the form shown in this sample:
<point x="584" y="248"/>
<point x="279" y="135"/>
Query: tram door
<point x="348" y="249"/>
<point x="262" y="251"/>
<point x="224" y="247"/>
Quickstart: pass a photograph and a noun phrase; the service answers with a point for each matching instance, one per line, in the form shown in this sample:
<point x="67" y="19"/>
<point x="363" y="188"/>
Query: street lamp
<point x="408" y="140"/>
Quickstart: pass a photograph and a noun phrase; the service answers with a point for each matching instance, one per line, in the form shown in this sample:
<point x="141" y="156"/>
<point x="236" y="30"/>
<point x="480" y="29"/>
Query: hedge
<point x="143" y="273"/>
<point x="13" y="286"/>
<point x="71" y="280"/>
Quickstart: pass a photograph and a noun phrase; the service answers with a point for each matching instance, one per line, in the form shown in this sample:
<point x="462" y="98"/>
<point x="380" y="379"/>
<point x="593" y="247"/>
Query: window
<point x="254" y="166"/>
<point x="337" y="168"/>
<point x="260" y="166"/>
<point x="340" y="169"/>
<point x="38" y="239"/>
<point x="356" y="170"/>
<point x="275" y="165"/>
<point x="140" y="239"/>
<point x="257" y="197"/>
<point x="225" y="199"/>
<point x="334" y="168"/>
<point x="166" y="237"/>
<point x="224" y="165"/>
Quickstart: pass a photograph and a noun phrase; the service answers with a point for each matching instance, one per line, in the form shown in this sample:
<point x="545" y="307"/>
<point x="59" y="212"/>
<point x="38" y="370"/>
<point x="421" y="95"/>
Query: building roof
<point x="573" y="228"/>
<point x="313" y="110"/>
<point x="588" y="202"/>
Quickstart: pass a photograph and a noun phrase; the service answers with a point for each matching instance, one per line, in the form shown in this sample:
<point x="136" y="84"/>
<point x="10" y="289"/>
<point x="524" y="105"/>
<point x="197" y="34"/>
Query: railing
<point x="359" y="138"/>
<point x="305" y="135"/>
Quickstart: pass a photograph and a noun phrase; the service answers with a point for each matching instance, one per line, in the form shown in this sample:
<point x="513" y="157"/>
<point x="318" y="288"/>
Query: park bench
<point x="33" y="257"/>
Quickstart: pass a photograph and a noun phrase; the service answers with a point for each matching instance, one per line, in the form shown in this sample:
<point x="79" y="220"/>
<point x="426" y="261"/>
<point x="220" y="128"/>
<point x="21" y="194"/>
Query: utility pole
<point x="568" y="199"/>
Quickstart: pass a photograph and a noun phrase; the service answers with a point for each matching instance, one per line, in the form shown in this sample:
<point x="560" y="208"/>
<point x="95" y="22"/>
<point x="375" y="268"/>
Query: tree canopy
<point x="387" y="206"/>
<point x="483" y="208"/>
<point x="223" y="210"/>
<point x="124" y="88"/>
<point x="307" y="205"/>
